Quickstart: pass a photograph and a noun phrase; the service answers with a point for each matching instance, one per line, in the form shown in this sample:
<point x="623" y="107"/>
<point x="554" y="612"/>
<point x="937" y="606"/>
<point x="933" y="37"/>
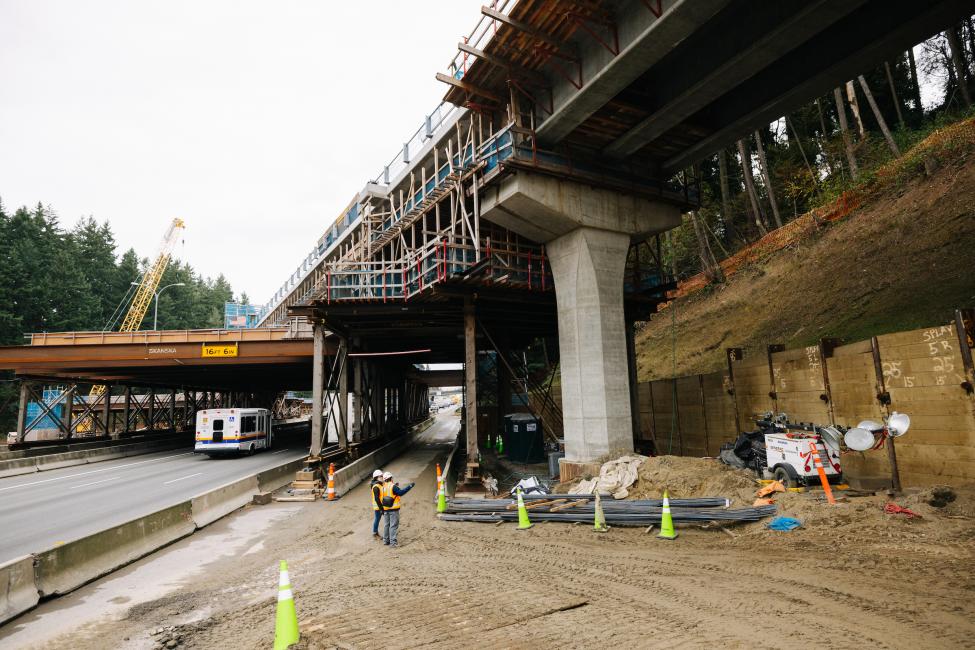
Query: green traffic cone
<point x="667" y="521"/>
<point x="441" y="492"/>
<point x="286" y="625"/>
<point x="599" y="520"/>
<point x="523" y="522"/>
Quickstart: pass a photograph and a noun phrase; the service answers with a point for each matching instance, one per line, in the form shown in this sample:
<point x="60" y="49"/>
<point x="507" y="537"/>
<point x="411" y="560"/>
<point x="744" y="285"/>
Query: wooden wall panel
<point x="799" y="385"/>
<point x="752" y="387"/>
<point x="923" y="372"/>
<point x="719" y="410"/>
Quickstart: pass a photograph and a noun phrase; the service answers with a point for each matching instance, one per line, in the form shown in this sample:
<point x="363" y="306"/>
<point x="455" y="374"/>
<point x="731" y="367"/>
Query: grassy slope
<point x="904" y="260"/>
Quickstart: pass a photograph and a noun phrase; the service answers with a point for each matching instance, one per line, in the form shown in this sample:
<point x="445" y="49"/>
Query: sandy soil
<point x="852" y="577"/>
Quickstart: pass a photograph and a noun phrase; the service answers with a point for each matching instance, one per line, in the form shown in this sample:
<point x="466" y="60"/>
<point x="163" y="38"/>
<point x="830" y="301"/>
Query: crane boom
<point x="143" y="297"/>
<point x="150" y="280"/>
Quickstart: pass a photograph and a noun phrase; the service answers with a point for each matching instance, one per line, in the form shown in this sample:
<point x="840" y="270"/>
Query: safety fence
<point x="926" y="373"/>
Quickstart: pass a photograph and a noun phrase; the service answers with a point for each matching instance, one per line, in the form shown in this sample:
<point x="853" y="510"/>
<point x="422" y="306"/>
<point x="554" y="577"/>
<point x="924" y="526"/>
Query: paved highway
<point x="41" y="509"/>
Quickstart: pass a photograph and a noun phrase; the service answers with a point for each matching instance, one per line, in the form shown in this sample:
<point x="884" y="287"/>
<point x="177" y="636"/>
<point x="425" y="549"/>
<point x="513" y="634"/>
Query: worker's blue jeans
<point x="375" y="521"/>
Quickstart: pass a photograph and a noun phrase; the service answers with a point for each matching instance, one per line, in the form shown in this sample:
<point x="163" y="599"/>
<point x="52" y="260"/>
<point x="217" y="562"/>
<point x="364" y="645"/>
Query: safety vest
<point x="388" y="492"/>
<point x="376" y="490"/>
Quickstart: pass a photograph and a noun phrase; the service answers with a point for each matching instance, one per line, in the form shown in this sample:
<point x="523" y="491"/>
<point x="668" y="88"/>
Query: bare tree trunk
<point x="958" y="61"/>
<point x="725" y="191"/>
<point x="893" y="95"/>
<point x="916" y="80"/>
<point x="845" y="130"/>
<point x="669" y="241"/>
<point x="746" y="168"/>
<point x="971" y="38"/>
<point x="767" y="176"/>
<point x="880" y="118"/>
<point x="712" y="270"/>
<point x="832" y="164"/>
<point x="795" y="136"/>
<point x="851" y="96"/>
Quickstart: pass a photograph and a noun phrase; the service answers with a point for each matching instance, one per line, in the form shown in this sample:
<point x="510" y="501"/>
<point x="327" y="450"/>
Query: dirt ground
<point x="900" y="262"/>
<point x="851" y="577"/>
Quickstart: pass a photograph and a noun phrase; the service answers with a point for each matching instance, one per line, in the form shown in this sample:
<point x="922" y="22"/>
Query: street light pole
<point x="155" y="311"/>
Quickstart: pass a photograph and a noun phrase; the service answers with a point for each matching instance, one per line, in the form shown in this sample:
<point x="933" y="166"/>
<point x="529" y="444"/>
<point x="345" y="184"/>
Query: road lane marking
<point x="181" y="478"/>
<point x="94" y="471"/>
<point x="104" y="480"/>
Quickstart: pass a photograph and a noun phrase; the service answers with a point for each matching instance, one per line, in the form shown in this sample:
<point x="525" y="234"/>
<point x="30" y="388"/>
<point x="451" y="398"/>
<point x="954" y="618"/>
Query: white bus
<point x="239" y="431"/>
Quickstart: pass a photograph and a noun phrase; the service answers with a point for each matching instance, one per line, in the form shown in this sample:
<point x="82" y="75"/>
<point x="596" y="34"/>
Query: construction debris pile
<point x="581" y="508"/>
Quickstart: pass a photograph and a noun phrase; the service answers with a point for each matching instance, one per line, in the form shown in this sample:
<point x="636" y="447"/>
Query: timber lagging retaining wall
<point x="925" y="373"/>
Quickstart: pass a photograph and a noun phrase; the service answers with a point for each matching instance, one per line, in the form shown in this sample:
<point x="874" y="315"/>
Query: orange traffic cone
<point x="330" y="492"/>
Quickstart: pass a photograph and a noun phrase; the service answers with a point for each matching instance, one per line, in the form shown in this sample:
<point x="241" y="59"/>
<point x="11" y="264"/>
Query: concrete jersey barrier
<point x="31" y="464"/>
<point x="18" y="592"/>
<point x="220" y="502"/>
<point x="67" y="567"/>
<point x="57" y="571"/>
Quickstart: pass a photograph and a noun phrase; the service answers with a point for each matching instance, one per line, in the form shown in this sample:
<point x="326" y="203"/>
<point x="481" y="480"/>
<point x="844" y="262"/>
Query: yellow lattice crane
<point x="140" y="302"/>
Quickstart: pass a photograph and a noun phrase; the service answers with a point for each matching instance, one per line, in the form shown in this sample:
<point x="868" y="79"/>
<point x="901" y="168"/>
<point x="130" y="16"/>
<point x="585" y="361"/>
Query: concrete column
<point x="317" y="388"/>
<point x="22" y="412"/>
<point x="470" y="386"/>
<point x="587" y="265"/>
<point x="68" y="417"/>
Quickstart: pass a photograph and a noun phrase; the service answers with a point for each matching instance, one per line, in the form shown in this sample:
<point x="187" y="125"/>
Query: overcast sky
<point x="254" y="121"/>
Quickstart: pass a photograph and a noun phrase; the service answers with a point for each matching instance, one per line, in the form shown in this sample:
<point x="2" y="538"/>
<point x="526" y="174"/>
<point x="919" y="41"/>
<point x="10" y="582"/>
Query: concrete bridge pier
<point x="587" y="232"/>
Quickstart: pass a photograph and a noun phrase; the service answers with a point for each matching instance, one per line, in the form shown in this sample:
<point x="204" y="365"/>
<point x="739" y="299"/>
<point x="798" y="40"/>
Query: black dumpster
<point x="523" y="438"/>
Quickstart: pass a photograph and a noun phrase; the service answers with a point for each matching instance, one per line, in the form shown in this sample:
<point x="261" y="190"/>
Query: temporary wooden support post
<point x="884" y="398"/>
<point x="107" y="409"/>
<point x="357" y="400"/>
<point x="732" y="355"/>
<point x="127" y="423"/>
<point x="631" y="373"/>
<point x="317" y="388"/>
<point x="343" y="419"/>
<point x="470" y="386"/>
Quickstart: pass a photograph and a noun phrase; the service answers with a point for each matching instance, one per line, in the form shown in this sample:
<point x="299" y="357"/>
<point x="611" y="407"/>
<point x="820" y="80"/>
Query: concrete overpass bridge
<point x="530" y="202"/>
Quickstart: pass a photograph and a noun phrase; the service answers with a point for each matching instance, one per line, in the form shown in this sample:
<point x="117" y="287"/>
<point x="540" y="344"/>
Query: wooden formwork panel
<point x="645" y="411"/>
<point x="799" y="385"/>
<point x="752" y="387"/>
<point x="665" y="426"/>
<point x="853" y="392"/>
<point x="719" y="410"/>
<point x="923" y="373"/>
<point x="690" y="406"/>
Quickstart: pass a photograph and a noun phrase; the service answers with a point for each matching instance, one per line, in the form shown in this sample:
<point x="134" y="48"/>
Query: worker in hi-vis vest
<point x="376" y="496"/>
<point x="391" y="505"/>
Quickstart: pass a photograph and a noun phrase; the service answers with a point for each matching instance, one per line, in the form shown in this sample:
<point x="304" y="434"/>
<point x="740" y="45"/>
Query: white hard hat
<point x="387" y="475"/>
<point x="377" y="473"/>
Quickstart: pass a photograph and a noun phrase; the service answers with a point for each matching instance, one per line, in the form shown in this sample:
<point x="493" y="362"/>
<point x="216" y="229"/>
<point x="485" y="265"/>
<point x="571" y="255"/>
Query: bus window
<point x="218" y="430"/>
<point x="248" y="424"/>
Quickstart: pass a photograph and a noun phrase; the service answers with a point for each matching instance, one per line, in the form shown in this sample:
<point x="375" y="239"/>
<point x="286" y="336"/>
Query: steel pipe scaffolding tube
<point x="647" y="517"/>
<point x="581" y="508"/>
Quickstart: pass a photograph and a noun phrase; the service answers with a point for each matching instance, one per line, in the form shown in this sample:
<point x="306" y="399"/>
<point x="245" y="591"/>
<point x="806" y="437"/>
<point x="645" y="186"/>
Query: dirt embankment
<point x="903" y="260"/>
